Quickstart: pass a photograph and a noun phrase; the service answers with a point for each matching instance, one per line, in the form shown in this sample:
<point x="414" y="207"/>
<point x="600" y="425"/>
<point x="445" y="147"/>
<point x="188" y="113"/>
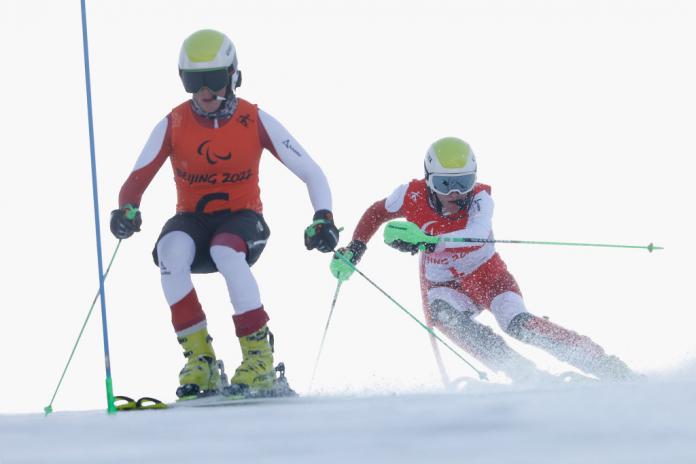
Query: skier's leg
<point x="453" y="313"/>
<point x="503" y="297"/>
<point x="230" y="251"/>
<point x="481" y="287"/>
<point x="176" y="251"/>
<point x="568" y="346"/>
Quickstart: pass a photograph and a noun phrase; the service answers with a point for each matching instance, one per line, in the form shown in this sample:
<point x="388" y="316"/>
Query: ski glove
<point x="321" y="234"/>
<point x="125" y="221"/>
<point x="407" y="236"/>
<point x="353" y="252"/>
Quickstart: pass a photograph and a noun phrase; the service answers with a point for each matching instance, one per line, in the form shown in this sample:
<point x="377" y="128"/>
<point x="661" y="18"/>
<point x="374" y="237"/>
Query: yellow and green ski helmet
<point x="450" y="166"/>
<point x="207" y="58"/>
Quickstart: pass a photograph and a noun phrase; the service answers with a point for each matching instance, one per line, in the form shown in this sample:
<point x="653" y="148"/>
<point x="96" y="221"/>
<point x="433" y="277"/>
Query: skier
<point x="214" y="142"/>
<point x="460" y="279"/>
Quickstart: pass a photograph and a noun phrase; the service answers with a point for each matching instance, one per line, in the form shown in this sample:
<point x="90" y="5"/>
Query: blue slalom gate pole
<point x="111" y="408"/>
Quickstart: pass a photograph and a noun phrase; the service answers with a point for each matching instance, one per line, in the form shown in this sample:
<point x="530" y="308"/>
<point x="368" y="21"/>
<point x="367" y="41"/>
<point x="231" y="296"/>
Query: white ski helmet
<point x="207" y="58"/>
<point x="450" y="166"/>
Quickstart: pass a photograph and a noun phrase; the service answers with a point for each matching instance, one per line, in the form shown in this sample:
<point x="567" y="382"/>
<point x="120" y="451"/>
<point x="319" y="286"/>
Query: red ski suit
<point x="459" y="279"/>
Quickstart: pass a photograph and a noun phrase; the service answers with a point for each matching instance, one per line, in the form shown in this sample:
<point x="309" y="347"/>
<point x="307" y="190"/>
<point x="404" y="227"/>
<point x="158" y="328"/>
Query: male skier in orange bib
<point x="214" y="142"/>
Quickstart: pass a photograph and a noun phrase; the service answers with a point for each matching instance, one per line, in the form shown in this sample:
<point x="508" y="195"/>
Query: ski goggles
<point x="446" y="184"/>
<point x="216" y="79"/>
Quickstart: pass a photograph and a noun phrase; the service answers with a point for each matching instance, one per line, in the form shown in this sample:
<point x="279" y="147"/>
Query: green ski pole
<point x="408" y="232"/>
<point x="49" y="409"/>
<point x="323" y="337"/>
<point x="482" y="375"/>
<point x="650" y="247"/>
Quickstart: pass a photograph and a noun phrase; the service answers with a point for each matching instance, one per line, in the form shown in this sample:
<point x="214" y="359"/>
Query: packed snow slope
<point x="648" y="421"/>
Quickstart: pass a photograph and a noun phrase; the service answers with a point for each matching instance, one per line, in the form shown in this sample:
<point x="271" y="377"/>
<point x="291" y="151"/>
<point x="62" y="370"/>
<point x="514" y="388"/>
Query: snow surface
<point x="648" y="421"/>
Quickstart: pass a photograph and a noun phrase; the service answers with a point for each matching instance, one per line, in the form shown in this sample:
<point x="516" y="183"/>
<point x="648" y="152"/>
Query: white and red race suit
<point x="215" y="163"/>
<point x="469" y="276"/>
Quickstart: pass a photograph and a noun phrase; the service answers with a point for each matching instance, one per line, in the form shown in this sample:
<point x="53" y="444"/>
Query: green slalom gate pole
<point x="326" y="329"/>
<point x="49" y="409"/>
<point x="482" y="375"/>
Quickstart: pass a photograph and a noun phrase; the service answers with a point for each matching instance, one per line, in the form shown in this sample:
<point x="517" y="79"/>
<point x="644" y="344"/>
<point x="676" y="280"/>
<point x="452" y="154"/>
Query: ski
<point x="228" y="395"/>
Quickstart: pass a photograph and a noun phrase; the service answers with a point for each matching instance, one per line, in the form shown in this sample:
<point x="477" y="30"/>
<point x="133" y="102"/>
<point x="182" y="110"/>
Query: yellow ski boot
<point x="256" y="374"/>
<point x="201" y="374"/>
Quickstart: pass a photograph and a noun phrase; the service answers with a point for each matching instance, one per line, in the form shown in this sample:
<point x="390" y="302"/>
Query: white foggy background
<point x="581" y="114"/>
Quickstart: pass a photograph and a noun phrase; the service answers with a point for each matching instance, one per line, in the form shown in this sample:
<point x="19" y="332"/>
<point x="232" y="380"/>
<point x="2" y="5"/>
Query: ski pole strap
<point x="482" y="375"/>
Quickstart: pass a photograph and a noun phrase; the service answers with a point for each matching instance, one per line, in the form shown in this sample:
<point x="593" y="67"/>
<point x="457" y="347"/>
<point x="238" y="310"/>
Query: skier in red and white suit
<point x="214" y="143"/>
<point x="460" y="279"/>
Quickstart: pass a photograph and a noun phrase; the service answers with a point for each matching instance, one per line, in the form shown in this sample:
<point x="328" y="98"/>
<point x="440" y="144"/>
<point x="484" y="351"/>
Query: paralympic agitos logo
<point x="204" y="150"/>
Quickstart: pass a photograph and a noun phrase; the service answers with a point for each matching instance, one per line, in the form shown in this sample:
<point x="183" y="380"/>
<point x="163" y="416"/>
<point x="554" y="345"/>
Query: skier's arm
<point x="152" y="157"/>
<point x="126" y="219"/>
<point x="276" y="139"/>
<point x="322" y="234"/>
<point x="380" y="212"/>
<point x="479" y="225"/>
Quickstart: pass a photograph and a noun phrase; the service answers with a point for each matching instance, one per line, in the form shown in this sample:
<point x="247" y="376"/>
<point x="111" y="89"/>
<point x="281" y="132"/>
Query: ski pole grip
<point x="131" y="211"/>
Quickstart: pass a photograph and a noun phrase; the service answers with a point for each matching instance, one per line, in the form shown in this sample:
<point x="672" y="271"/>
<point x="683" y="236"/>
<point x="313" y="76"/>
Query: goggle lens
<point x="195" y="80"/>
<point x="448" y="184"/>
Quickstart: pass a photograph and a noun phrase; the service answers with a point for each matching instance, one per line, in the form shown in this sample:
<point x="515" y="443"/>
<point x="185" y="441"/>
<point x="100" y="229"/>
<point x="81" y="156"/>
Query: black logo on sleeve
<point x="289" y="146"/>
<point x="204" y="150"/>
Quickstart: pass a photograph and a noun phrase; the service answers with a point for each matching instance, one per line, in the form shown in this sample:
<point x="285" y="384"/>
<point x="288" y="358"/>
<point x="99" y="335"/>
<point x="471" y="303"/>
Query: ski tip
<point x="146" y="402"/>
